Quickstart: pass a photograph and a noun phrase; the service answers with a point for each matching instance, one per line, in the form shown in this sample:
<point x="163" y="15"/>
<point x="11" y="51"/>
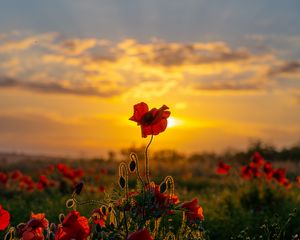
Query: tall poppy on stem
<point x="152" y="122"/>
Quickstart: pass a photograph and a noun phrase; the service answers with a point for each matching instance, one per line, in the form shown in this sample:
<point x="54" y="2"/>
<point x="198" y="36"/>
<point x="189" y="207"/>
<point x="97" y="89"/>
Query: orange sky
<point x="58" y="97"/>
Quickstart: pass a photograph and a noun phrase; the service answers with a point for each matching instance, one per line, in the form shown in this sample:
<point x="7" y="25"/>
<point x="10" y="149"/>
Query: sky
<point x="71" y="71"/>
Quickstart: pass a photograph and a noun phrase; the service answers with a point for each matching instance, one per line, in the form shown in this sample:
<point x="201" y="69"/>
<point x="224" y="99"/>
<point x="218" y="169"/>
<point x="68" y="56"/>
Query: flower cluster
<point x="49" y="177"/>
<point x="259" y="168"/>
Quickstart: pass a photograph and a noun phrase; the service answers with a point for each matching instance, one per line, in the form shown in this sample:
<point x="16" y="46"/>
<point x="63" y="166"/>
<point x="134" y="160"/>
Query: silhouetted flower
<point x="152" y="122"/>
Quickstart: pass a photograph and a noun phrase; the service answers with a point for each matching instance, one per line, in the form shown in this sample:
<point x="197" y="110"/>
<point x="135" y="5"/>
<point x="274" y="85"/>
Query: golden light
<point x="173" y="122"/>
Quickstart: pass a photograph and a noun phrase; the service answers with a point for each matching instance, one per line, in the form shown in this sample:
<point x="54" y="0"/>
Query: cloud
<point x="286" y="68"/>
<point x="26" y="43"/>
<point x="49" y="63"/>
<point x="231" y="86"/>
<point x="56" y="88"/>
<point x="178" y="54"/>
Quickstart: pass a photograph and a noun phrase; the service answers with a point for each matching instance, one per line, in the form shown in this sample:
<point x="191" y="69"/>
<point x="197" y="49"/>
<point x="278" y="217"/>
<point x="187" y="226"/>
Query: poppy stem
<point x="147" y="161"/>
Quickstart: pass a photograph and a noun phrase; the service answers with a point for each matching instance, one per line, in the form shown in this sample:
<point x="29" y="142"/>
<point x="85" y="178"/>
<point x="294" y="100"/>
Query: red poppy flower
<point x="16" y="175"/>
<point x="193" y="210"/>
<point x="268" y="170"/>
<point x="3" y="178"/>
<point x="34" y="228"/>
<point x="141" y="234"/>
<point x="246" y="172"/>
<point x="162" y="201"/>
<point x="44" y="182"/>
<point x="70" y="173"/>
<point x="74" y="226"/>
<point x="99" y="217"/>
<point x="4" y="218"/>
<point x="250" y="171"/>
<point x="223" y="168"/>
<point x="27" y="183"/>
<point x="257" y="159"/>
<point x="279" y="175"/>
<point x="152" y="122"/>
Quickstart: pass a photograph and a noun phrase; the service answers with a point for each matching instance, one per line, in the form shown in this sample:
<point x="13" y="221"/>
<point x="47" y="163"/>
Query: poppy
<point x="99" y="217"/>
<point x="27" y="183"/>
<point x="16" y="175"/>
<point x="246" y="172"/>
<point x="268" y="170"/>
<point x="223" y="168"/>
<point x="279" y="175"/>
<point x="44" y="182"/>
<point x="34" y="228"/>
<point x="4" y="218"/>
<point x="152" y="122"/>
<point x="3" y="178"/>
<point x="73" y="226"/>
<point x="257" y="159"/>
<point x="193" y="210"/>
<point x="141" y="234"/>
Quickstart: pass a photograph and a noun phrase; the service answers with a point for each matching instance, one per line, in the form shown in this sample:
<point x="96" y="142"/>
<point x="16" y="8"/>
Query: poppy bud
<point x="122" y="182"/>
<point x="78" y="187"/>
<point x="109" y="209"/>
<point x="103" y="210"/>
<point x="53" y="227"/>
<point x="132" y="166"/>
<point x="70" y="203"/>
<point x="61" y="217"/>
<point x="112" y="225"/>
<point x="163" y="187"/>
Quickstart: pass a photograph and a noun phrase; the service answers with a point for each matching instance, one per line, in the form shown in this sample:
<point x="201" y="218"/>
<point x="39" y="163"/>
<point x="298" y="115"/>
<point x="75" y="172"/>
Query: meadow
<point x="235" y="205"/>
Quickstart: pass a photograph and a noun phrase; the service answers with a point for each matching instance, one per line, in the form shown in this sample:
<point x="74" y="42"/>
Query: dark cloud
<point x="168" y="55"/>
<point x="290" y="67"/>
<point x="56" y="88"/>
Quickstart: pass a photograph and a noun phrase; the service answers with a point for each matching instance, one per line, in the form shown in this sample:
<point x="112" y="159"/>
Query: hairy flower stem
<point x="147" y="161"/>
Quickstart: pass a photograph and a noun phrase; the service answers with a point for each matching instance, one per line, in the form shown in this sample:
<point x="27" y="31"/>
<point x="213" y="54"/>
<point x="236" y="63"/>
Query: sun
<point x="172" y="122"/>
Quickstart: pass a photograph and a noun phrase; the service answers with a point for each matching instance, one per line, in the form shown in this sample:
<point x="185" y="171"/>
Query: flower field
<point x="151" y="195"/>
